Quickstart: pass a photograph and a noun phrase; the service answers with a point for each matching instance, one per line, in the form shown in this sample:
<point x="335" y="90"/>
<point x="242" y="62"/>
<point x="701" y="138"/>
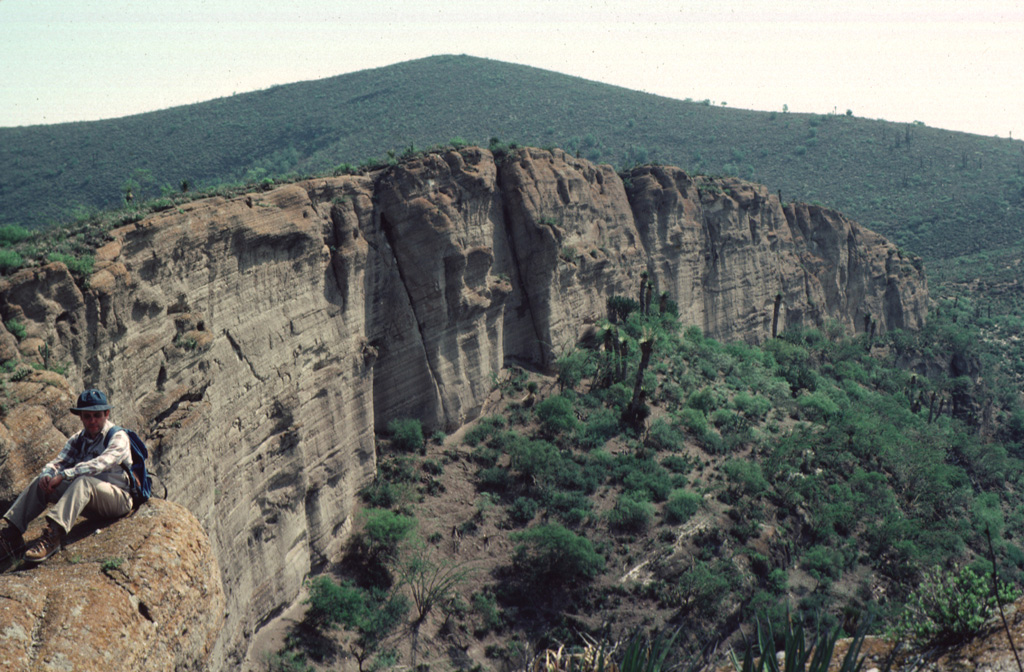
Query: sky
<point x="957" y="65"/>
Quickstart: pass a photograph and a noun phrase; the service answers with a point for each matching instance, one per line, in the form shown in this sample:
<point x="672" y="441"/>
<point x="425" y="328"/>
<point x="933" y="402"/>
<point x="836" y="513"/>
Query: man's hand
<point x="50" y="483"/>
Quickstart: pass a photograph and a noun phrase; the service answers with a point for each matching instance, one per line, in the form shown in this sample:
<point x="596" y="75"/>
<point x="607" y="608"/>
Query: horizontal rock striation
<point x="258" y="341"/>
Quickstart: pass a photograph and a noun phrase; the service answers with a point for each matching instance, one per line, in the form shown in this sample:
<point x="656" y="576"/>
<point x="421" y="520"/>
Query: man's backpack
<point x="140" y="483"/>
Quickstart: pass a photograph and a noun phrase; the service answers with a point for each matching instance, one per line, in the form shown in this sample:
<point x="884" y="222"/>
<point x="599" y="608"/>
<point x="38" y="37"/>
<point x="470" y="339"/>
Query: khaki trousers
<point x="84" y="494"/>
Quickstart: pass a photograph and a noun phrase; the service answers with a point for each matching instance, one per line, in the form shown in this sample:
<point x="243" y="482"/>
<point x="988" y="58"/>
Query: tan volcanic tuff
<point x="258" y="341"/>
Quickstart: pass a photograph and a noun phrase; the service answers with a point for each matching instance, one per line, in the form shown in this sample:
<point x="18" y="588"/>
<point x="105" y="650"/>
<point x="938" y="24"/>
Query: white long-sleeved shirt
<point x="92" y="458"/>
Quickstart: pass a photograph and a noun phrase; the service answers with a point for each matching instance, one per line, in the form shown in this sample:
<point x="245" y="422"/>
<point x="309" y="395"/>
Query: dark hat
<point x="91" y="400"/>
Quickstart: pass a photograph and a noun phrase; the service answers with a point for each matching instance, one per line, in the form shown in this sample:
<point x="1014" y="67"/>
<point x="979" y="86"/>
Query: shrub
<point x="620" y="307"/>
<point x="693" y="420"/>
<point x="79" y="266"/>
<point x="678" y="464"/>
<point x="663" y="436"/>
<point x="702" y="588"/>
<point x="724" y="419"/>
<point x="570" y="507"/>
<point x="486" y="608"/>
<point x="344" y="169"/>
<point x="554" y="554"/>
<point x="570" y="475"/>
<point x="384" y="530"/>
<point x="601" y="425"/>
<point x="406" y="434"/>
<point x="535" y="460"/>
<point x="333" y="604"/>
<point x="382" y="494"/>
<point x="523" y="510"/>
<point x="630" y="515"/>
<point x="556" y="415"/>
<point x="653" y="483"/>
<point x="747" y="476"/>
<point x="949" y="607"/>
<point x="373" y="614"/>
<point x="494" y="478"/>
<point x="16" y="328"/>
<point x="778" y="580"/>
<point x="288" y="661"/>
<point x="643" y="478"/>
<point x="754" y="407"/>
<point x="681" y="506"/>
<point x="484" y="428"/>
<point x="705" y="400"/>
<point x="823" y="563"/>
<point x="572" y="368"/>
<point x="12" y="234"/>
<point x="817" y="406"/>
<point x="10" y="261"/>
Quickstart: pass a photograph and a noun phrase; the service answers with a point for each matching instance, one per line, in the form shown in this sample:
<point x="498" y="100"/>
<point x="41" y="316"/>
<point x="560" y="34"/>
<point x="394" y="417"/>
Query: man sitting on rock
<point x="86" y="477"/>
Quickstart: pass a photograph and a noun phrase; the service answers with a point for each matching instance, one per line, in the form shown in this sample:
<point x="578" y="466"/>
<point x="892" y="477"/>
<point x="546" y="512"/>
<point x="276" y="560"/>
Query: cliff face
<point x="258" y="341"/>
<point x="727" y="252"/>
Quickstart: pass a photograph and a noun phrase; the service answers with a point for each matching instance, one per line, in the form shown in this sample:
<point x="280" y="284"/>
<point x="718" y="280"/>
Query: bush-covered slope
<point x="939" y="193"/>
<point x="830" y="476"/>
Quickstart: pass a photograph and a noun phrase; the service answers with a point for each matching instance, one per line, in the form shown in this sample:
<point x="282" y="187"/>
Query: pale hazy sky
<point x="956" y="65"/>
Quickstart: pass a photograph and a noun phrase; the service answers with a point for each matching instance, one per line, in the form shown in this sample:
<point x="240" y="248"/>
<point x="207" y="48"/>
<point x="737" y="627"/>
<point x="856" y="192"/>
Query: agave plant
<point x="799" y="654"/>
<point x="644" y="655"/>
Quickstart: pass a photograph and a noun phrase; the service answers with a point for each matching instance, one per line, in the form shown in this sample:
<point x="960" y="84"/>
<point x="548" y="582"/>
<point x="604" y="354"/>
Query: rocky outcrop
<point x="232" y="334"/>
<point x="143" y="593"/>
<point x="739" y="265"/>
<point x="258" y="341"/>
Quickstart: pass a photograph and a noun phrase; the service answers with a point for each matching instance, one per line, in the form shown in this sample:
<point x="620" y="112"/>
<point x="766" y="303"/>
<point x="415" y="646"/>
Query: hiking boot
<point x="46" y="545"/>
<point x="11" y="542"/>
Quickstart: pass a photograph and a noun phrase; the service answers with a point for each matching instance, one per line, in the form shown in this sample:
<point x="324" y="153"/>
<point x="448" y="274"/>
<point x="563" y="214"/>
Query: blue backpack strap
<point x="127" y="469"/>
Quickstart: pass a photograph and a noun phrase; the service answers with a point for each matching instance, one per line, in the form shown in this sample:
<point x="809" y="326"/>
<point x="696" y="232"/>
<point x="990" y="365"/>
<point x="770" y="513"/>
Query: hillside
<point x="801" y="478"/>
<point x="936" y="193"/>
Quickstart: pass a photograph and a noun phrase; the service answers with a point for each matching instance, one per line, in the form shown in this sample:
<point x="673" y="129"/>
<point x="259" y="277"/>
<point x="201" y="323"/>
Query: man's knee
<point x="99" y="497"/>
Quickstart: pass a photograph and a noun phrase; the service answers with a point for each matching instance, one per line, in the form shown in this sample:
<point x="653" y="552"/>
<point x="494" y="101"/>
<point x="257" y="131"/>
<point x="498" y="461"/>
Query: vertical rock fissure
<point x="518" y="269"/>
<point x="389" y="234"/>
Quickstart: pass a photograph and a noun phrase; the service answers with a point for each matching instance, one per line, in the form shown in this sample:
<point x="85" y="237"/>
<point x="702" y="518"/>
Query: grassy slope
<point x="939" y="193"/>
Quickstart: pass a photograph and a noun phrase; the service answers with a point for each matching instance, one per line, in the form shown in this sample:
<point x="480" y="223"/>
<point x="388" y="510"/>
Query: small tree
<point x="432" y="583"/>
<point x="372" y="614"/>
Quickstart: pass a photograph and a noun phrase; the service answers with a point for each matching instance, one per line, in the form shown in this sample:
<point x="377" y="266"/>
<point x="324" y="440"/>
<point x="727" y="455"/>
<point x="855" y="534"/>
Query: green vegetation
<point x="406" y="434"/>
<point x="111" y="564"/>
<point x="553" y="556"/>
<point x="802" y="653"/>
<point x="786" y="484"/>
<point x="951" y="606"/>
<point x="16" y="328"/>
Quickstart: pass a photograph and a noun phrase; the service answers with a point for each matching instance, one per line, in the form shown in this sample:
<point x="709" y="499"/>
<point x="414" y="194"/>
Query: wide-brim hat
<point x="91" y="400"/>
